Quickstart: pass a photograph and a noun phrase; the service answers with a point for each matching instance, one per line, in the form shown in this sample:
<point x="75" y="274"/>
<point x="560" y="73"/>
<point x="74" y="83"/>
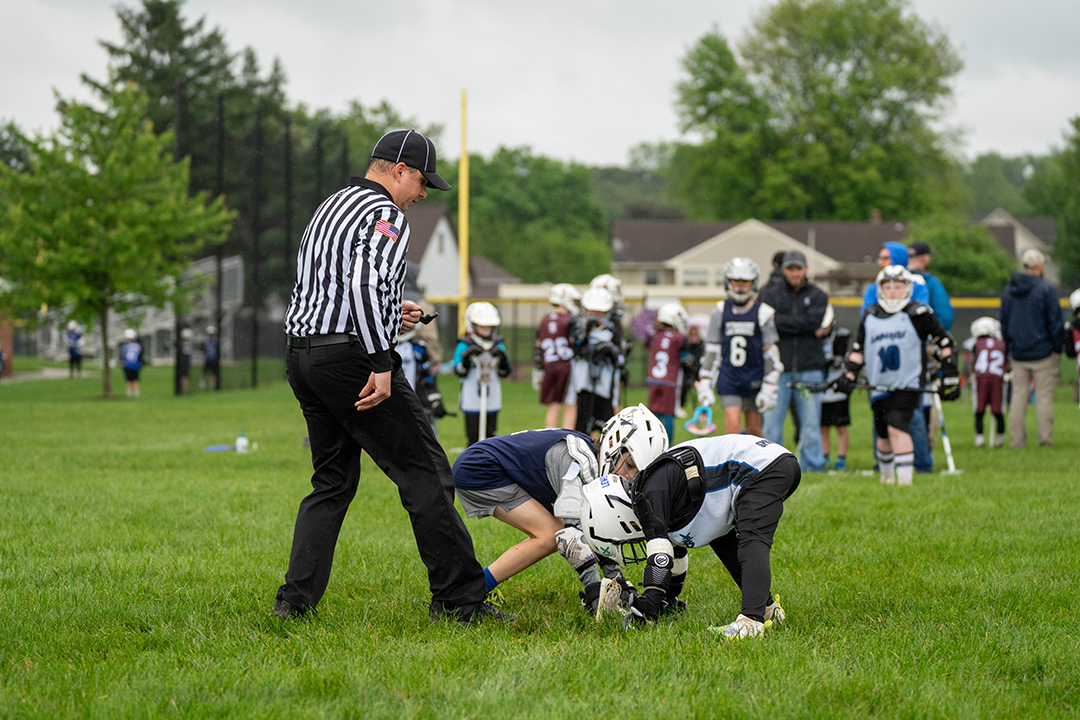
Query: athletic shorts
<point x="131" y="375"/>
<point x="988" y="390"/>
<point x="185" y="365"/>
<point x="600" y="409"/>
<point x="747" y="404"/>
<point x="894" y="410"/>
<point x="556" y="379"/>
<point x="211" y="367"/>
<point x="836" y="414"/>
<point x="482" y="503"/>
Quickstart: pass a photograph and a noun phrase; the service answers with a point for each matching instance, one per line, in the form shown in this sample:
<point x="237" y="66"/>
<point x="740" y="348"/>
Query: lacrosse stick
<point x="701" y="422"/>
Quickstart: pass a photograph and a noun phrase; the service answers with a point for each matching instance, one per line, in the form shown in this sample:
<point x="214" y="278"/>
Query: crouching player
<point x="532" y="481"/>
<point x="726" y="492"/>
<point x="890" y="342"/>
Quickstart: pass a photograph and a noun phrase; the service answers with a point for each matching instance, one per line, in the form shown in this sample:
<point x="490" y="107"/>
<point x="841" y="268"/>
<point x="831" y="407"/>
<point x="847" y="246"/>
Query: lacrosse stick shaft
<point x="485" y="378"/>
<point x="944" y="435"/>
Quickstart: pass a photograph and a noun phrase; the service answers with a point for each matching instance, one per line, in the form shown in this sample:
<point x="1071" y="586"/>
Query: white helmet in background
<point x="187" y="333"/>
<point x="635" y="430"/>
<point x="673" y="314"/>
<point x="741" y="268"/>
<point x="130" y="334"/>
<point x="481" y="313"/>
<point x="72" y="325"/>
<point x="1074" y="301"/>
<point x="608" y="522"/>
<point x="597" y="299"/>
<point x="565" y="295"/>
<point x="211" y="330"/>
<point x="610" y="283"/>
<point x="986" y="327"/>
<point x="894" y="273"/>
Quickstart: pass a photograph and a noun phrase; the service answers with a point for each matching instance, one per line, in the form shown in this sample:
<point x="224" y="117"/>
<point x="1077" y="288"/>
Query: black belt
<point x="319" y="340"/>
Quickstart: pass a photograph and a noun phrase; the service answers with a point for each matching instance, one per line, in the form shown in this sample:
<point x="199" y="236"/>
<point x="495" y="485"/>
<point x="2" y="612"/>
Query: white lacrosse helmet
<point x="481" y="313"/>
<point x="897" y="273"/>
<point x="1074" y="301"/>
<point x="673" y="314"/>
<point x="597" y="299"/>
<point x="610" y="283"/>
<point x="130" y="334"/>
<point x="608" y="522"/>
<point x="72" y="325"/>
<point x="211" y="330"/>
<point x="187" y="333"/>
<point x="741" y="268"/>
<point x="565" y="295"/>
<point x="986" y="327"/>
<point x="634" y="430"/>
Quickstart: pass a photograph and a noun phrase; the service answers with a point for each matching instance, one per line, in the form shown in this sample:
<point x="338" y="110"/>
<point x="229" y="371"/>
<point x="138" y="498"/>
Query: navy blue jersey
<point x="742" y="363"/>
<point x="132" y="354"/>
<point x="210" y="350"/>
<point x="516" y="459"/>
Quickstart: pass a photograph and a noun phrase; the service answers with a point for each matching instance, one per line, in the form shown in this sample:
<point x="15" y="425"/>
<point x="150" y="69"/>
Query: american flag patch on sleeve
<point x="384" y="227"/>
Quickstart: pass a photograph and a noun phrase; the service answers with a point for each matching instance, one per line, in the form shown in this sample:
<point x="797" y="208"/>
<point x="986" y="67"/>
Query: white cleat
<point x="980" y="440"/>
<point x="774" y="613"/>
<point x="743" y="627"/>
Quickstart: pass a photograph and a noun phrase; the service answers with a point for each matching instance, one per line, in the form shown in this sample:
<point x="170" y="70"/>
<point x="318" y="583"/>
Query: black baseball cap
<point x="413" y="149"/>
<point x="919" y="248"/>
<point x="794" y="257"/>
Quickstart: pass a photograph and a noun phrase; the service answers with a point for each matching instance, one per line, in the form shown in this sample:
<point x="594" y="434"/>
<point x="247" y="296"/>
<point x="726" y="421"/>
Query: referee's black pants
<point x="397" y="435"/>
<point x="745" y="550"/>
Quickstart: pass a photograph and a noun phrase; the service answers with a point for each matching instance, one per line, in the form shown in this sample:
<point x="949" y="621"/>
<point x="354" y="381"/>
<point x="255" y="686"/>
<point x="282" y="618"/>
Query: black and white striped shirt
<point x="350" y="270"/>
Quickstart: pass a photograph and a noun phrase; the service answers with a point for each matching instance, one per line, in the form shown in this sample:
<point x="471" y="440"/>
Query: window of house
<point x="652" y="277"/>
<point x="695" y="276"/>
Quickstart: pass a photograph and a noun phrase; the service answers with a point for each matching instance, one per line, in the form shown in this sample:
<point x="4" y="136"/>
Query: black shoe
<point x="285" y="610"/>
<point x="473" y="614"/>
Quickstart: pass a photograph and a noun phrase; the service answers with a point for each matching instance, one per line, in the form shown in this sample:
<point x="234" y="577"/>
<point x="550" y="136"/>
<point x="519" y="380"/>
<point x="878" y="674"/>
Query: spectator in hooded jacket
<point x="1034" y="331"/>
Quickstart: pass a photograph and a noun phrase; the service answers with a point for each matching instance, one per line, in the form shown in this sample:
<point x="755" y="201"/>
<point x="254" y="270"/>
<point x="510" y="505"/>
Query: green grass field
<point x="137" y="573"/>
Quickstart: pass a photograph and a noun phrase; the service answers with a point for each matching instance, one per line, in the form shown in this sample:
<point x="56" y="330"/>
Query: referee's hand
<point x="410" y="315"/>
<point x="376" y="390"/>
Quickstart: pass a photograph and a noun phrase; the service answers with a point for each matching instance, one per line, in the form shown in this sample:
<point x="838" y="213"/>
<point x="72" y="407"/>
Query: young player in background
<point x="989" y="365"/>
<point x="726" y="492"/>
<point x="615" y="318"/>
<point x="598" y="360"/>
<point x="695" y="346"/>
<point x="741" y="362"/>
<point x="421" y="374"/>
<point x="667" y="355"/>
<point x="131" y="357"/>
<point x="187" y="337"/>
<point x="480" y="359"/>
<point x="890" y="345"/>
<point x="211" y="349"/>
<point x="835" y="405"/>
<point x="531" y="480"/>
<point x="74" y="340"/>
<point x="554" y="351"/>
<point x="1072" y="339"/>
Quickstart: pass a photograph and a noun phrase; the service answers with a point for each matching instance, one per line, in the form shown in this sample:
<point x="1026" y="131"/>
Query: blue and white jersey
<point x="516" y="459"/>
<point x="893" y="351"/>
<point x="211" y="350"/>
<point x="409" y="363"/>
<point x="599" y="376"/>
<point x="74" y="342"/>
<point x="131" y="355"/>
<point x="738" y="336"/>
<point x="469" y="399"/>
<point x="730" y="462"/>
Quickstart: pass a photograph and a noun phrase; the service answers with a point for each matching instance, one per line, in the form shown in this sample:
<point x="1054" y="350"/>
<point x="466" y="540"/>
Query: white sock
<point x="905" y="468"/>
<point x="885" y="464"/>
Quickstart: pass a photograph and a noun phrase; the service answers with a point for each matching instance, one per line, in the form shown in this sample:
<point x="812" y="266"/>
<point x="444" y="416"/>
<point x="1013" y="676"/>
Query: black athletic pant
<point x="397" y="435"/>
<point x="745" y="550"/>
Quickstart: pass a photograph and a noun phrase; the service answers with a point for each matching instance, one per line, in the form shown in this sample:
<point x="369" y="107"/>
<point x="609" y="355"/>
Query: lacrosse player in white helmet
<point x="131" y="357"/>
<point x="891" y="335"/>
<point x="725" y="491"/>
<point x="532" y="480"/>
<point x="742" y="361"/>
<point x="211" y="349"/>
<point x="668" y="354"/>
<point x="481" y="358"/>
<point x="595" y="371"/>
<point x="74" y="340"/>
<point x="553" y="353"/>
<point x="989" y="365"/>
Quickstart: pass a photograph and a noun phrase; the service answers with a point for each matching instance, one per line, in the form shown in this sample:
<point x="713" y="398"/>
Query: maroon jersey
<point x="665" y="371"/>
<point x="554" y="338"/>
<point x="1074" y="338"/>
<point x="989" y="366"/>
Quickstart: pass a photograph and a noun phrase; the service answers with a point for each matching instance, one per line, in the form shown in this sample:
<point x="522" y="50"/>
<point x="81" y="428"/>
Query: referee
<point x="345" y="312"/>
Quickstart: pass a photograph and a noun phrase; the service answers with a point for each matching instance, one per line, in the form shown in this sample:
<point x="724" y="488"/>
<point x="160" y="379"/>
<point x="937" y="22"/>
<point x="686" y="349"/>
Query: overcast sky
<point x="575" y="80"/>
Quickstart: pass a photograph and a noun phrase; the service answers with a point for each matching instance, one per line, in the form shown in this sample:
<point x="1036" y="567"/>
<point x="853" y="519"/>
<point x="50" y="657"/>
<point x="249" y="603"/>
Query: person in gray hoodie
<point x="1033" y="329"/>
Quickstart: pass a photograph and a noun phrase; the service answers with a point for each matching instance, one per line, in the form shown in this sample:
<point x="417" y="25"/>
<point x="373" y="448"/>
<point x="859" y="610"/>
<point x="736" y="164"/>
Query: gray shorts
<point x="482" y="503"/>
<point x="746" y="403"/>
